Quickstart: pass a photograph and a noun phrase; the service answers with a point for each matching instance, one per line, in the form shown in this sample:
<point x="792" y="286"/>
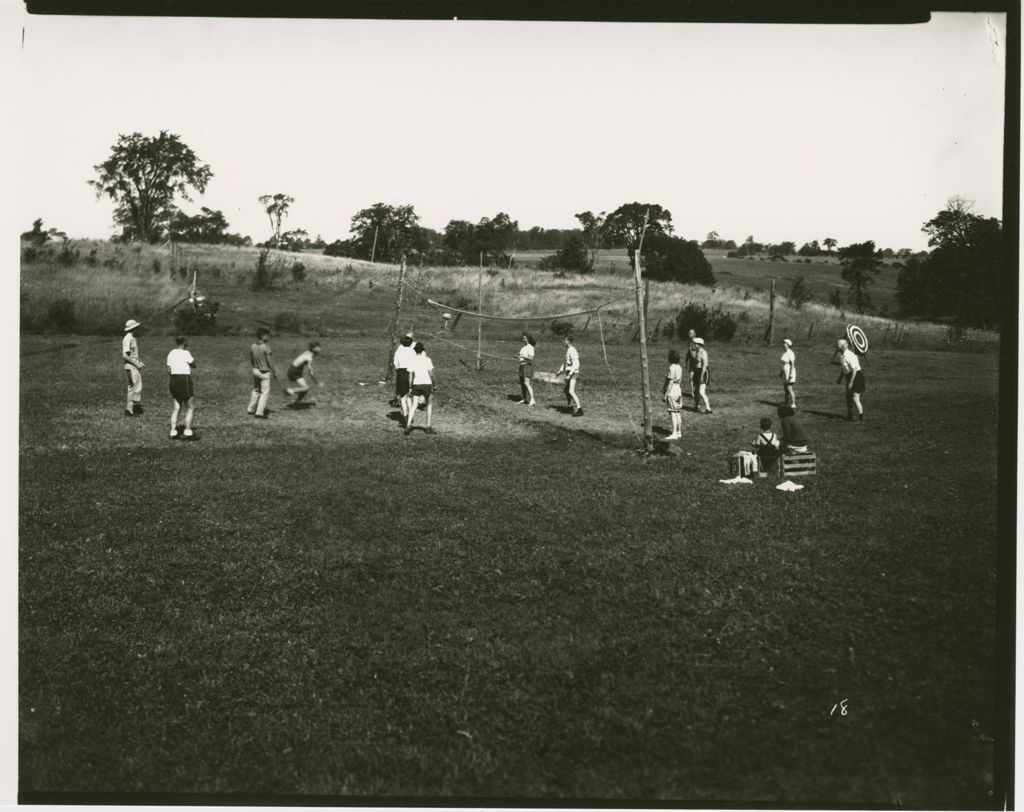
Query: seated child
<point x="793" y="437"/>
<point x="766" y="446"/>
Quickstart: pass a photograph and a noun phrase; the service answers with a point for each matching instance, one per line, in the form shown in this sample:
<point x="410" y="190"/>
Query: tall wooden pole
<point x="373" y="251"/>
<point x="479" y="311"/>
<point x="645" y="377"/>
<point x="392" y="330"/>
<point x="769" y="334"/>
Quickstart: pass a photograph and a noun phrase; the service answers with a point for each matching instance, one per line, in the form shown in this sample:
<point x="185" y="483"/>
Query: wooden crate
<point x="803" y="464"/>
<point x="735" y="467"/>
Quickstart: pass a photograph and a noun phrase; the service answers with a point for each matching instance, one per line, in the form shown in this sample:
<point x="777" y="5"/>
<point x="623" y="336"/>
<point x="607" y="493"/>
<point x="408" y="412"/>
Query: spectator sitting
<point x="794" y="440"/>
<point x="766" y="446"/>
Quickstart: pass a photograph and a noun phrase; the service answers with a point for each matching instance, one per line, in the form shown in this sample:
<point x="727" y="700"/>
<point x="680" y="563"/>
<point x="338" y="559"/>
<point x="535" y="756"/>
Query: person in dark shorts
<point x="300" y="369"/>
<point x="421" y="387"/>
<point x="853" y="378"/>
<point x="180" y="364"/>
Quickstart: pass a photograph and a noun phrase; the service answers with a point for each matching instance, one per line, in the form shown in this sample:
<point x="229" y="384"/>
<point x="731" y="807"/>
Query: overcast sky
<point x="780" y="132"/>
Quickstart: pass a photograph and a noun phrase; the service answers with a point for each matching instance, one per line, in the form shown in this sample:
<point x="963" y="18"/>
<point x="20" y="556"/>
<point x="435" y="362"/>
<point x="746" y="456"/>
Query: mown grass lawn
<point x="518" y="607"/>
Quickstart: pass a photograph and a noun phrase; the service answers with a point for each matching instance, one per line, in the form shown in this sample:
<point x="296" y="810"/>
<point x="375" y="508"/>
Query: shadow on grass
<point x="48" y="349"/>
<point x="396" y="416"/>
<point x="830" y="415"/>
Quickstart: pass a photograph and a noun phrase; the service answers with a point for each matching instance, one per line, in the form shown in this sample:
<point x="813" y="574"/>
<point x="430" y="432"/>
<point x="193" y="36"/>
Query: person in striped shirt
<point x="262" y="372"/>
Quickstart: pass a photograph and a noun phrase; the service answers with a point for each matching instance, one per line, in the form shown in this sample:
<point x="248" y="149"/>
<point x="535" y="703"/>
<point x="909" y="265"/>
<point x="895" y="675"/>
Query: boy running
<point x="301" y="367"/>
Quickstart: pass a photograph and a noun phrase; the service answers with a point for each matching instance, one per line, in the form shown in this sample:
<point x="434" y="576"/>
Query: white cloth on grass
<point x="789" y="486"/>
<point x="736" y="480"/>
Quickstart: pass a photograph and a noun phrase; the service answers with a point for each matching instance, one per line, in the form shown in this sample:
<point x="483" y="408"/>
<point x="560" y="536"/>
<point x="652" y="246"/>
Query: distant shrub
<point x="561" y="328"/>
<point x="571" y="256"/>
<point x="157" y="267"/>
<point x="287" y="322"/>
<point x="706" y="323"/>
<point x="200" y="320"/>
<point x="799" y="294"/>
<point x="835" y="298"/>
<point x="263" y="277"/>
<point x="30" y="254"/>
<point x="61" y="314"/>
<point x="68" y="256"/>
<point x="298" y="272"/>
<point x="732" y="255"/>
<point x="91" y="259"/>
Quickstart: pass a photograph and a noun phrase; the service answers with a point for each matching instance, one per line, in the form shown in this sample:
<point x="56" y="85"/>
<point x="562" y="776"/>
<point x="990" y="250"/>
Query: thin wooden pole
<point x="645" y="377"/>
<point x="373" y="251"/>
<point x="479" y="312"/>
<point x="393" y="327"/>
<point x="769" y="334"/>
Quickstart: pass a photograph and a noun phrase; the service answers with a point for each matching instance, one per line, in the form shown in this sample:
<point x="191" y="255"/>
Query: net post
<point x="394" y="321"/>
<point x="645" y="378"/>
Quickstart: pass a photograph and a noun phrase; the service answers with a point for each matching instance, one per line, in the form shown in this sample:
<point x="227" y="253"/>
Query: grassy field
<point x="517" y="607"/>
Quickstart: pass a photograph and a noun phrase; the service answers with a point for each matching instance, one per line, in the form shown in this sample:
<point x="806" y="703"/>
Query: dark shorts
<point x="525" y="371"/>
<point x="181" y="388"/>
<point x="401" y="382"/>
<point x="294" y="373"/>
<point x="701" y="376"/>
<point x="858" y="382"/>
<point x="424" y="389"/>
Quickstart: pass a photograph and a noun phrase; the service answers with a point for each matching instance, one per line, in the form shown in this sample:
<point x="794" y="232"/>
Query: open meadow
<point x="519" y="607"/>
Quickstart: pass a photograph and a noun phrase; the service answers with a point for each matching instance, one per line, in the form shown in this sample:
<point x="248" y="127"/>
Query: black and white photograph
<point x="432" y="409"/>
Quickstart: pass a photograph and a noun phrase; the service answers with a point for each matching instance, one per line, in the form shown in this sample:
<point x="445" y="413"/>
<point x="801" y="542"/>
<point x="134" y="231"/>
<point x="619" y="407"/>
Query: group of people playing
<point x="414" y="382"/>
<point x="181" y="362"/>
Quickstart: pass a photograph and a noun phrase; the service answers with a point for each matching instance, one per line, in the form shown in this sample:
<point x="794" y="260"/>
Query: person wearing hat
<point x="691" y="361"/>
<point x="788" y="373"/>
<point x="133" y="367"/>
<point x="403" y="359"/>
<point x="853" y="378"/>
<point x="701" y="375"/>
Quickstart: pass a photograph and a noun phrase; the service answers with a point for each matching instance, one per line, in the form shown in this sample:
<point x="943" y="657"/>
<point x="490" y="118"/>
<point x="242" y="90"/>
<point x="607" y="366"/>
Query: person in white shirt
<point x="571" y="369"/>
<point x="526" y="355"/>
<point x="133" y="367"/>
<point x="788" y="372"/>
<point x="300" y="369"/>
<point x="421" y="379"/>
<point x="403" y="358"/>
<point x="701" y="376"/>
<point x="180" y="364"/>
<point x="673" y="392"/>
<point x="853" y="378"/>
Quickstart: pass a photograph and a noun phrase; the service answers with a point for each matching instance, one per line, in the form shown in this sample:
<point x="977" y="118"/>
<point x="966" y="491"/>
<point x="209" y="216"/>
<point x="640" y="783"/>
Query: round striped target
<point x="858" y="341"/>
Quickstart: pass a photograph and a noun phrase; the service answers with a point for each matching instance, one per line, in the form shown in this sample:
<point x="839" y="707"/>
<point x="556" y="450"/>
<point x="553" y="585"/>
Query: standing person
<point x="421" y="378"/>
<point x="262" y="371"/>
<point x="691" y="362"/>
<point x="180" y="364"/>
<point x="793" y="436"/>
<point x="853" y="378"/>
<point x="133" y="367"/>
<point x="403" y="358"/>
<point x="673" y="392"/>
<point x="788" y="373"/>
<point x="526" y="355"/>
<point x="701" y="376"/>
<point x="300" y="368"/>
<point x="571" y="368"/>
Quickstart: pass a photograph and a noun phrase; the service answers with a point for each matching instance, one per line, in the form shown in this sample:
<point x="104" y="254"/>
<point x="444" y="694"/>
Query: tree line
<point x="957" y="280"/>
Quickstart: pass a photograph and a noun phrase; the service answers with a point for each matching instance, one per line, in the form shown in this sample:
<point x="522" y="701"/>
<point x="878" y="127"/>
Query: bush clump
<point x="61" y="315"/>
<point x="298" y="272"/>
<point x="715" y="324"/>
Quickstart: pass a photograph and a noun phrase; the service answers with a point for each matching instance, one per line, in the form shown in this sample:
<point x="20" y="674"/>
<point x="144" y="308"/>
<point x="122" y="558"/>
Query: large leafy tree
<point x="276" y="206"/>
<point x="860" y="265"/>
<point x="673" y="259"/>
<point x="493" y="238"/>
<point x="394" y="229"/>
<point x="594" y="234"/>
<point x="208" y="227"/>
<point x="143" y="175"/>
<point x="632" y="221"/>
<point x="960" y="278"/>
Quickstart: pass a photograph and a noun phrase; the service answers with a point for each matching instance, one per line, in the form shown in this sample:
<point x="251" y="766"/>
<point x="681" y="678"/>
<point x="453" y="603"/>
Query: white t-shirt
<point x="789" y="366"/>
<point x="526" y="353"/>
<point x="675" y="379"/>
<point x="404" y="356"/>
<point x="179" y="360"/>
<point x="572" y="361"/>
<point x="850" y="361"/>
<point x="419" y="370"/>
